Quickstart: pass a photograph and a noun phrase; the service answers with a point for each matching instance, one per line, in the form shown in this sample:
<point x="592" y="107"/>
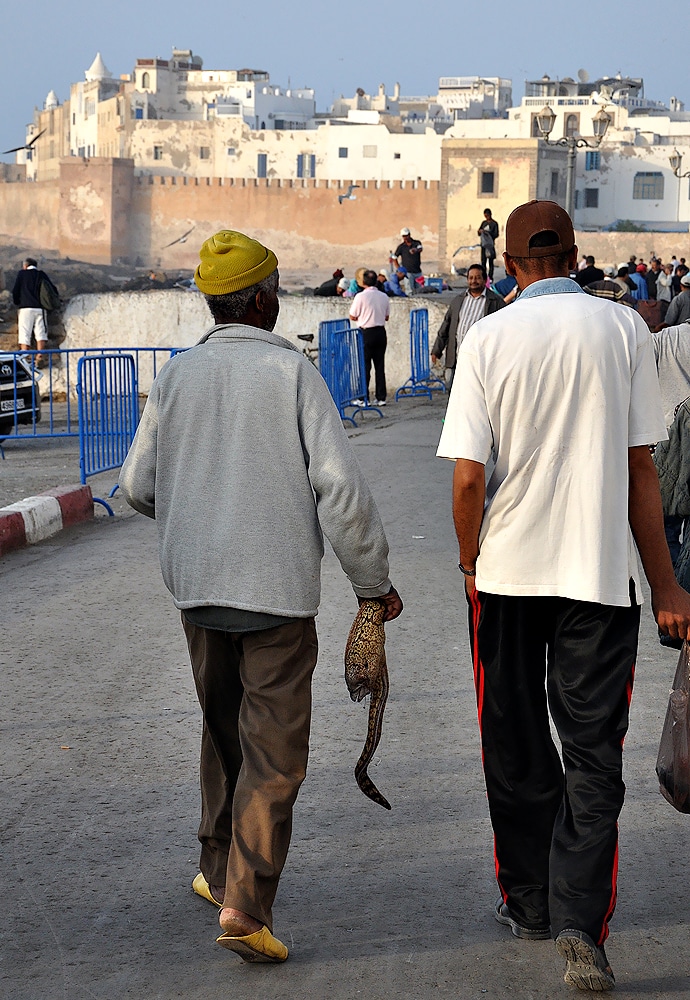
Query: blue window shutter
<point x="312" y="165"/>
<point x="300" y="165"/>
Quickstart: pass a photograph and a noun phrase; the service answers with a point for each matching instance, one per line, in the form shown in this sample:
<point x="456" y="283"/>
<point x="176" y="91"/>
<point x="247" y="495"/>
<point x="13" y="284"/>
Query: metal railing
<point x="56" y="415"/>
<point x="108" y="411"/>
<point x="341" y="363"/>
<point x="421" y="382"/>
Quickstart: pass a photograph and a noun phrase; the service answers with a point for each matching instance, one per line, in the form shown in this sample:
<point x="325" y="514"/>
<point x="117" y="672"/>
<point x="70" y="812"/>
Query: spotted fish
<point x="366" y="673"/>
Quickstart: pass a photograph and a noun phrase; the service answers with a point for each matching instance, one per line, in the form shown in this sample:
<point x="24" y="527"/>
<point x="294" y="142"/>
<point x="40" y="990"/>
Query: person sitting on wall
<point x="357" y="283"/>
<point x="329" y="288"/>
<point x="393" y="286"/>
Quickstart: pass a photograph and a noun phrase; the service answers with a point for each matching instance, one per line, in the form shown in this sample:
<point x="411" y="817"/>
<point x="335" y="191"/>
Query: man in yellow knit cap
<point x="241" y="458"/>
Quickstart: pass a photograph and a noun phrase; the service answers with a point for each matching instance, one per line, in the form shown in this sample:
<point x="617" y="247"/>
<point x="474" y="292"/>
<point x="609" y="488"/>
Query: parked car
<point x="20" y="400"/>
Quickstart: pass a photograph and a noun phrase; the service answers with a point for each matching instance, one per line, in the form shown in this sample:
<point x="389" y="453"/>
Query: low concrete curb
<point x="36" y="518"/>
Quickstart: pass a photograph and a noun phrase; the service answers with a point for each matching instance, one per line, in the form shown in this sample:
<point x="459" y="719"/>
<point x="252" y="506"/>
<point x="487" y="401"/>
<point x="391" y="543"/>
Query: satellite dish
<point x="583" y="76"/>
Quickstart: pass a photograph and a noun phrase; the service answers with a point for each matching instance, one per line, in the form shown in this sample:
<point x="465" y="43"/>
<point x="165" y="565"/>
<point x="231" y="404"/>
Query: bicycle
<point x="311" y="353"/>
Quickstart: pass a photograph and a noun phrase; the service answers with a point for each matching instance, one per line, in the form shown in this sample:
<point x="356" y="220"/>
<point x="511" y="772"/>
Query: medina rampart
<point x="99" y="211"/>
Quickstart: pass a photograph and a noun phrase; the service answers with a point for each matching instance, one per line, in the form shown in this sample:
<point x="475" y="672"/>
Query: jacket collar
<point x="238" y="331"/>
<point x="550" y="286"/>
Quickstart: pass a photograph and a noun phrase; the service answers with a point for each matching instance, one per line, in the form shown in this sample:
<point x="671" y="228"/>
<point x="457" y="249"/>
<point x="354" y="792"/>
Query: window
<point x="591" y="197"/>
<point x="555" y="177"/>
<point x="488" y="179"/>
<point x="370" y="151"/>
<point x="592" y="160"/>
<point x="231" y="151"/>
<point x="342" y="152"/>
<point x="648" y="184"/>
<point x="261" y="164"/>
<point x="204" y="153"/>
<point x="536" y="131"/>
<point x="396" y="156"/>
<point x="572" y="125"/>
<point x="158" y="152"/>
<point x="306" y="165"/>
<point x="139" y="113"/>
<point x="145" y="81"/>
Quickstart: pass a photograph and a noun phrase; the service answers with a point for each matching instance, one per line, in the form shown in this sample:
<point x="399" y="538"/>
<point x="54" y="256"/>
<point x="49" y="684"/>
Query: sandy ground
<point x="100" y="734"/>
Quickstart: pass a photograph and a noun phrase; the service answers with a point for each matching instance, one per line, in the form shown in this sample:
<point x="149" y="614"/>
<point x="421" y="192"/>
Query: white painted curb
<point x="42" y="517"/>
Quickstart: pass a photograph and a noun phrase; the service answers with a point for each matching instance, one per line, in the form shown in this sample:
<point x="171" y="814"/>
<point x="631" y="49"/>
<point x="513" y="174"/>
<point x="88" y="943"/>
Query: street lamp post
<point x="546" y="119"/>
<point x="676" y="161"/>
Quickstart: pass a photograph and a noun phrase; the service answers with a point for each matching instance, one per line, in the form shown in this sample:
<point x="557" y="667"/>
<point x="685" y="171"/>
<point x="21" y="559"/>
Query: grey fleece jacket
<point x="242" y="459"/>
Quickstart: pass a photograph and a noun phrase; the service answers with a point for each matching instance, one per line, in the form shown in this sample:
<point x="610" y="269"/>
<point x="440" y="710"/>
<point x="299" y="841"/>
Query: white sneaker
<point x="358" y="402"/>
<point x="380" y="402"/>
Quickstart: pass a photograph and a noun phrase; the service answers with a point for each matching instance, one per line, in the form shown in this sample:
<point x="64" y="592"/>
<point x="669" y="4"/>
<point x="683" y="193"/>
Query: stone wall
<point x="302" y="221"/>
<point x="28" y="214"/>
<point x="98" y="212"/>
<point x="178" y="319"/>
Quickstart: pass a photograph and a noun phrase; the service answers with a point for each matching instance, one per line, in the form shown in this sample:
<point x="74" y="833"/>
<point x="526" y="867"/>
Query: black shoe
<point x="502" y="914"/>
<point x="587" y="966"/>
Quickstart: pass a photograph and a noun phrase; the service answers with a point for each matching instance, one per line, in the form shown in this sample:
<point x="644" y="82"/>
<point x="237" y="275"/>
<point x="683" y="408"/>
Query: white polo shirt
<point x="555" y="390"/>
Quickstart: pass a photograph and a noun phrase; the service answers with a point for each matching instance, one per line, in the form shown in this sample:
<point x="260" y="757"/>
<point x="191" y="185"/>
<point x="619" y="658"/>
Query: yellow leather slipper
<point x="260" y="946"/>
<point x="202" y="888"/>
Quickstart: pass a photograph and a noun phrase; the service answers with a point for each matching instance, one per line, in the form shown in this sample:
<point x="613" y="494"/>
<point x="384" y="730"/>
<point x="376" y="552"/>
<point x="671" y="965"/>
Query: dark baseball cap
<point x="527" y="221"/>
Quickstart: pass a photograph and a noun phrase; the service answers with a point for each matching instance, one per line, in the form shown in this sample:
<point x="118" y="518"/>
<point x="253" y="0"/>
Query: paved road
<point x="100" y="732"/>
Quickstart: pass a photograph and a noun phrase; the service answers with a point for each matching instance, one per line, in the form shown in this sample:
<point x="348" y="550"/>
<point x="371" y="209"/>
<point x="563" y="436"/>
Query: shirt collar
<point x="550" y="286"/>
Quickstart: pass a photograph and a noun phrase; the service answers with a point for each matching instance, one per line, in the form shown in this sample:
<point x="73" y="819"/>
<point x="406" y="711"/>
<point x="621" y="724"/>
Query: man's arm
<point x="137" y="478"/>
<point x="441" y="341"/>
<point x="469" y="492"/>
<point x="670" y="603"/>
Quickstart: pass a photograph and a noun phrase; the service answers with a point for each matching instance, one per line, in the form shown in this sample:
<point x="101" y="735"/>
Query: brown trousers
<point x="255" y="694"/>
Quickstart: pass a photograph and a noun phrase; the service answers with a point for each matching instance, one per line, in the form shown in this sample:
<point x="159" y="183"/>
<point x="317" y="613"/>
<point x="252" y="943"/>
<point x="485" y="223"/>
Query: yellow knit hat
<point x="231" y="261"/>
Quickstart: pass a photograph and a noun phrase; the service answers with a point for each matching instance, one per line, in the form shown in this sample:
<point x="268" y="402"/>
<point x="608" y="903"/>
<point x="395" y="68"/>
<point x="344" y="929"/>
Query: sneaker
<point x="502" y="914"/>
<point x="587" y="966"/>
<point x="380" y="402"/>
<point x="358" y="402"/>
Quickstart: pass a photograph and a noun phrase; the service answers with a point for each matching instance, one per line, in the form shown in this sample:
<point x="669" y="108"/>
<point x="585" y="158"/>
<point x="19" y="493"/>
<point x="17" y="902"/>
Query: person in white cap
<point x="409" y="255"/>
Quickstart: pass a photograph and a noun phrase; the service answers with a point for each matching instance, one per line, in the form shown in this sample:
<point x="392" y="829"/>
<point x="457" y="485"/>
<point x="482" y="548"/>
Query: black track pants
<point x="555" y="825"/>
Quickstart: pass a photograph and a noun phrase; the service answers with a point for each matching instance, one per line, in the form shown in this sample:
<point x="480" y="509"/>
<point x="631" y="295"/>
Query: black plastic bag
<point x="673" y="762"/>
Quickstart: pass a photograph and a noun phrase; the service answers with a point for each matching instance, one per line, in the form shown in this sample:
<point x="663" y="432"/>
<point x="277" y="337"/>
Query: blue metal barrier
<point x="341" y="362"/>
<point x="57" y="416"/>
<point x="421" y="382"/>
<point x="108" y="412"/>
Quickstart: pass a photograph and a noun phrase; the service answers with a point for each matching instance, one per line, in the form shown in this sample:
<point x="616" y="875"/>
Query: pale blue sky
<point x="337" y="47"/>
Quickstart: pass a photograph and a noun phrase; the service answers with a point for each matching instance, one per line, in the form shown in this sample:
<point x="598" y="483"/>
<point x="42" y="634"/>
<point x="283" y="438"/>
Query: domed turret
<point x="51" y="101"/>
<point x="98" y="69"/>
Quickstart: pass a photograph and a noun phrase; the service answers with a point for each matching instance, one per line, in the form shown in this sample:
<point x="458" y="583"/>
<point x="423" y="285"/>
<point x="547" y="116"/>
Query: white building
<point x="628" y="178"/>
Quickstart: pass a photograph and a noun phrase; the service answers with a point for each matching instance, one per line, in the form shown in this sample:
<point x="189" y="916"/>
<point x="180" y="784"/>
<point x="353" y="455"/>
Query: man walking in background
<point x="31" y="319"/>
<point x="464" y="310"/>
<point x="241" y="458"/>
<point x="551" y="576"/>
<point x="369" y="311"/>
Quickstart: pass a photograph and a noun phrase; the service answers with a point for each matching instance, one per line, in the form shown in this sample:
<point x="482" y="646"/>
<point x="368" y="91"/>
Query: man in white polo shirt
<point x="370" y="310"/>
<point x="560" y="392"/>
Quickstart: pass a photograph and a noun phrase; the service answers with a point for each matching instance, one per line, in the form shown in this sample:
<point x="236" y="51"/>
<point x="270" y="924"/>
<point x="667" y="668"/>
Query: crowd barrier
<point x="421" y="382"/>
<point x="341" y="363"/>
<point x="108" y="413"/>
<point x="53" y="387"/>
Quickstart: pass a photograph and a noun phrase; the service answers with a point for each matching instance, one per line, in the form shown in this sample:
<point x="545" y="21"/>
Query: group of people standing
<point x="640" y="282"/>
